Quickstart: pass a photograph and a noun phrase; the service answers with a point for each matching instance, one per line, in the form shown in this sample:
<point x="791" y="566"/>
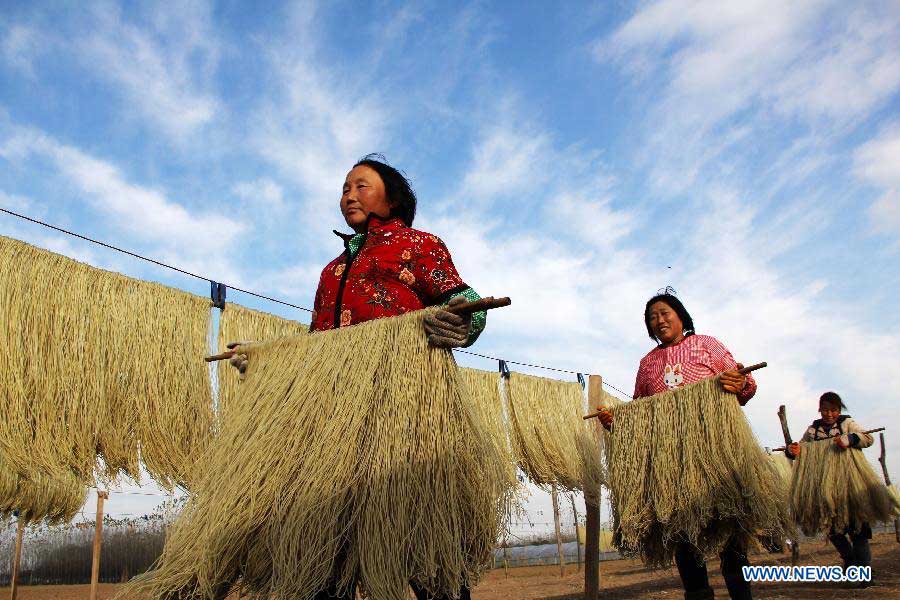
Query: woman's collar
<point x="374" y="222"/>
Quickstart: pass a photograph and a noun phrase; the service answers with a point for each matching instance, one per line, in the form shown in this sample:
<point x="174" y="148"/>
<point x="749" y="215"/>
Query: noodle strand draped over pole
<point x="483" y="390"/>
<point x="237" y="323"/>
<point x="835" y="488"/>
<point x="887" y="482"/>
<point x="57" y="498"/>
<point x="99" y="364"/>
<point x="685" y="466"/>
<point x="551" y="442"/>
<point x="342" y="464"/>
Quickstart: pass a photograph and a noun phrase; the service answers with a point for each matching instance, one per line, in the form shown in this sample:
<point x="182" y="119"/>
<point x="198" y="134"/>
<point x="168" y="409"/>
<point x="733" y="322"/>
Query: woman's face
<point x="829" y="411"/>
<point x="665" y="323"/>
<point x="363" y="194"/>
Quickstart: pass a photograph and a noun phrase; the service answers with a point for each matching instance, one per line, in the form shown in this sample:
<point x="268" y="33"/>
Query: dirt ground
<point x="622" y="579"/>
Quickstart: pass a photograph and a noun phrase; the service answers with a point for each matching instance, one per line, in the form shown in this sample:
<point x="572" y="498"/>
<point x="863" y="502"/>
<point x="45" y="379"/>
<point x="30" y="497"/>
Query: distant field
<point x="623" y="579"/>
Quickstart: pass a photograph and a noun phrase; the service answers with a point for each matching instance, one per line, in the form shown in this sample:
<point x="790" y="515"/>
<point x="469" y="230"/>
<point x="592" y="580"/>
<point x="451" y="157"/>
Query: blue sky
<point x="576" y="157"/>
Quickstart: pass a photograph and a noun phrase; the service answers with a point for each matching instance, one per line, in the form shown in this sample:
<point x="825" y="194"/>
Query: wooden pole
<point x="782" y="416"/>
<point x="786" y="432"/>
<point x="887" y="481"/>
<point x="17" y="558"/>
<point x="505" y="555"/>
<point x="592" y="511"/>
<point x="831" y="437"/>
<point x="577" y="529"/>
<point x="743" y="371"/>
<point x="466" y="308"/>
<point x="554" y="495"/>
<point x="98" y="533"/>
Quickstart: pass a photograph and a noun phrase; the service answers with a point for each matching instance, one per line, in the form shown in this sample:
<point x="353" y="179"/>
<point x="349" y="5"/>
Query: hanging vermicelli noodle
<point x="484" y="390"/>
<point x="835" y="488"/>
<point x="97" y="363"/>
<point x="607" y="401"/>
<point x="684" y="465"/>
<point x="354" y="454"/>
<point x="38" y="497"/>
<point x="551" y="441"/>
<point x="782" y="465"/>
<point x="237" y="324"/>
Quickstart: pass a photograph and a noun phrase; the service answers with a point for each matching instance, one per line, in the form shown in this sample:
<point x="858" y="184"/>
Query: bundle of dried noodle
<point x="837" y="488"/>
<point x="354" y="455"/>
<point x="238" y="324"/>
<point x="483" y="390"/>
<point x="98" y="363"/>
<point x="551" y="442"/>
<point x="685" y="466"/>
<point x="607" y="401"/>
<point x="783" y="467"/>
<point x="56" y="499"/>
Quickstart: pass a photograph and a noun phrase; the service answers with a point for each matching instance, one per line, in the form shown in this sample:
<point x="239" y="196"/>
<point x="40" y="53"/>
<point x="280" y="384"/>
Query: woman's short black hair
<point x="399" y="191"/>
<point x="675" y="304"/>
<point x="832" y="398"/>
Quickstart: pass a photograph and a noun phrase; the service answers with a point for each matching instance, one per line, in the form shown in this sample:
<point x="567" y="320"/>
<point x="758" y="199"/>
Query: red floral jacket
<point x="389" y="270"/>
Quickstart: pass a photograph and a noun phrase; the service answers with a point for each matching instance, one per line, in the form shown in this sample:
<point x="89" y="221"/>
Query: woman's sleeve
<point x="724" y="361"/>
<point x="856" y="435"/>
<point x="317" y="304"/>
<point x="438" y="281"/>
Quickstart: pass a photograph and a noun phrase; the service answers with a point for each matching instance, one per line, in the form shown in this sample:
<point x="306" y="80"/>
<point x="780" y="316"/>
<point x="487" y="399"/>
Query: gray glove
<point x="238" y="361"/>
<point x="447" y="330"/>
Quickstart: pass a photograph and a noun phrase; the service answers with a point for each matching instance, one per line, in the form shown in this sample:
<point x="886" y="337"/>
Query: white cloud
<point x="849" y="74"/>
<point x="19" y="47"/>
<point x="163" y="71"/>
<point x="262" y="193"/>
<point x="178" y="235"/>
<point x="315" y="123"/>
<point x="877" y="162"/>
<point x="885" y="212"/>
<point x="145" y="212"/>
<point x="506" y="162"/>
<point x="739" y="73"/>
<point x="14" y="202"/>
<point x="812" y="59"/>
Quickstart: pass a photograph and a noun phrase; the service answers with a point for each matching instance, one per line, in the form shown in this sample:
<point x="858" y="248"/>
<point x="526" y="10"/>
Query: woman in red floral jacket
<point x="387" y="269"/>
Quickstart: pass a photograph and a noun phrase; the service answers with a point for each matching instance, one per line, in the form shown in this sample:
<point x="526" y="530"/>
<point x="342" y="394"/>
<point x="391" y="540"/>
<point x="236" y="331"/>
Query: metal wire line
<point x="257" y="295"/>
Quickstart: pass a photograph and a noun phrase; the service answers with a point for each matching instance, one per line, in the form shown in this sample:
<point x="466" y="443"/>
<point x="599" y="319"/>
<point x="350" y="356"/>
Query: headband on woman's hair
<point x="666" y="291"/>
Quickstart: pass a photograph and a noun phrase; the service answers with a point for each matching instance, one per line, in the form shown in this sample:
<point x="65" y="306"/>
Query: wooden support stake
<point x="17" y="558"/>
<point x="592" y="512"/>
<point x="554" y="495"/>
<point x="887" y="481"/>
<point x="577" y="529"/>
<point x="782" y="416"/>
<point x="831" y="437"/>
<point x="505" y="555"/>
<point x="786" y="432"/>
<point x="98" y="533"/>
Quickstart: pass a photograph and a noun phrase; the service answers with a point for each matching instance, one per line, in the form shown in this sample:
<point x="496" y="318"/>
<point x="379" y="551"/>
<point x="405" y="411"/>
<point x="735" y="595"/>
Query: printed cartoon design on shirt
<point x="697" y="356"/>
<point x="673" y="377"/>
